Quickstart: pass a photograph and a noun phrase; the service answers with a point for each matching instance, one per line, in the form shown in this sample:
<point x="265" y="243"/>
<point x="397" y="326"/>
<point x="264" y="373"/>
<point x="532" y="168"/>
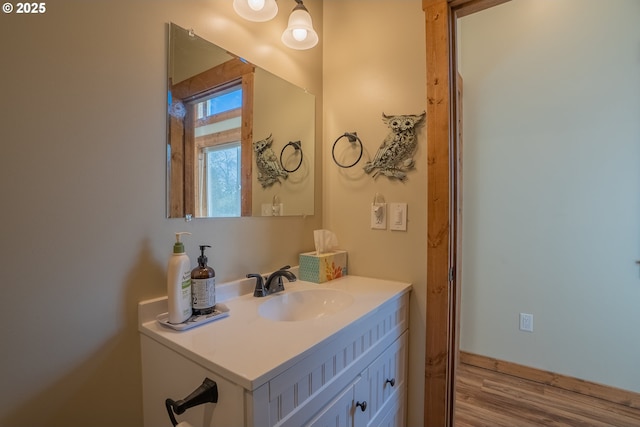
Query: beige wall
<point x="374" y="62"/>
<point x="83" y="224"/>
<point x="551" y="173"/>
<point x="282" y="110"/>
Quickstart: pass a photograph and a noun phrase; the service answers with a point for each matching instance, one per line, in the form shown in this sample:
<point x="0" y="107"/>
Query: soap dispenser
<point x="203" y="285"/>
<point x="179" y="283"/>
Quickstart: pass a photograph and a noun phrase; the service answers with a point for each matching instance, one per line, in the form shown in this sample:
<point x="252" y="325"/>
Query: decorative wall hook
<point x="395" y="155"/>
<point x="269" y="169"/>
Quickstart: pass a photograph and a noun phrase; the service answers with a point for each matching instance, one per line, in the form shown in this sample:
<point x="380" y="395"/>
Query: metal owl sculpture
<point x="395" y="155"/>
<point x="269" y="169"/>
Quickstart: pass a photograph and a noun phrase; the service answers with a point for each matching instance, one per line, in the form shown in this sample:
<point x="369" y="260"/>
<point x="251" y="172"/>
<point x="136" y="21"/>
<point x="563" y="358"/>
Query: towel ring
<point x="297" y="146"/>
<point x="352" y="137"/>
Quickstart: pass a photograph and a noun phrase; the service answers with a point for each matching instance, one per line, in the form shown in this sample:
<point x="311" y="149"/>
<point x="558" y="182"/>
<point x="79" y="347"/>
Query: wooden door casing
<point x="444" y="168"/>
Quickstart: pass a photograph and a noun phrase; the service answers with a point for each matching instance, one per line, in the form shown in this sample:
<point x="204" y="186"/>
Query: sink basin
<point x="305" y="304"/>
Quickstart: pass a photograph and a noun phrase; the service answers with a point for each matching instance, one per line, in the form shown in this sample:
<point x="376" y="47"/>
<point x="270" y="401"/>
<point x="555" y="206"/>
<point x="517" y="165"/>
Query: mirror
<point x="240" y="140"/>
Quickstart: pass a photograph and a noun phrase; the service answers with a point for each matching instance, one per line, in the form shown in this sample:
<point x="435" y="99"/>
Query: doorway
<point x="443" y="286"/>
<point x="443" y="223"/>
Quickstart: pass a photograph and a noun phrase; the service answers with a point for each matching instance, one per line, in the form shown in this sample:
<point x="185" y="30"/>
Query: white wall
<point x="551" y="174"/>
<point x="375" y="62"/>
<point x="82" y="184"/>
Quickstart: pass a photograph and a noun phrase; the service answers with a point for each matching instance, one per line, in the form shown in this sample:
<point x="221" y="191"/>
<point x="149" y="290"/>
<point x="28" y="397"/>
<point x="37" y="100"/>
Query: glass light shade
<point x="299" y="34"/>
<point x="256" y="4"/>
<point x="294" y="35"/>
<point x="251" y="10"/>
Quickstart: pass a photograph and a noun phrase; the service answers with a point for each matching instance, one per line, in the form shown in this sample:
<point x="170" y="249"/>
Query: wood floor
<point x="492" y="399"/>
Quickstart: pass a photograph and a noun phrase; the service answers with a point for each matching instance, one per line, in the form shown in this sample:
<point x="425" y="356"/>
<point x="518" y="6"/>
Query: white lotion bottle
<point x="179" y="283"/>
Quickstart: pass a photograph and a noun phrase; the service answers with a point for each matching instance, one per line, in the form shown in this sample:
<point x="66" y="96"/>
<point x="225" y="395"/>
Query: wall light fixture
<point x="256" y="10"/>
<point x="299" y="33"/>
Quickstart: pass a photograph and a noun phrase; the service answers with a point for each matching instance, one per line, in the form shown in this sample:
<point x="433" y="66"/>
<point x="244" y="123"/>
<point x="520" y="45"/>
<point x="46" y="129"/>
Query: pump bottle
<point x="179" y="283"/>
<point x="203" y="285"/>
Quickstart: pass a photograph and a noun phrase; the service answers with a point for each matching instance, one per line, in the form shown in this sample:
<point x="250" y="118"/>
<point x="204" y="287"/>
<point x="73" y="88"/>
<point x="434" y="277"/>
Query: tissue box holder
<point x="320" y="268"/>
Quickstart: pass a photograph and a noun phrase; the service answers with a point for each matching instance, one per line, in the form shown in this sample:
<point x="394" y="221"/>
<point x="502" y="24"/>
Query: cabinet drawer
<point x="386" y="376"/>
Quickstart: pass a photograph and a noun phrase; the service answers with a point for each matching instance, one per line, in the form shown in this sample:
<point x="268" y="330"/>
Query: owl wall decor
<point x="395" y="155"/>
<point x="269" y="169"/>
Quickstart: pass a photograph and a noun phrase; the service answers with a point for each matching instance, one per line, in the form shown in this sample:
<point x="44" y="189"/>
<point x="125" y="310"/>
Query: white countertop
<point x="249" y="349"/>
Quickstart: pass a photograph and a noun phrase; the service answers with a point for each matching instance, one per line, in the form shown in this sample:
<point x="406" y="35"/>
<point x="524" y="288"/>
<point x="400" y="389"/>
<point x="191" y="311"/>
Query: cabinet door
<point x="339" y="412"/>
<point x="395" y="415"/>
<point x="167" y="374"/>
<point x="385" y="377"/>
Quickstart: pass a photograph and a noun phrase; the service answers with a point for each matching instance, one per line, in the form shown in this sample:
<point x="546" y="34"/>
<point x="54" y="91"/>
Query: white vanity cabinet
<point x="355" y="376"/>
<point x="386" y="381"/>
<point x="376" y="397"/>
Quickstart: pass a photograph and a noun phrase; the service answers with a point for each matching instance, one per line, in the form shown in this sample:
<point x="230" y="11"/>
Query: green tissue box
<point x="319" y="268"/>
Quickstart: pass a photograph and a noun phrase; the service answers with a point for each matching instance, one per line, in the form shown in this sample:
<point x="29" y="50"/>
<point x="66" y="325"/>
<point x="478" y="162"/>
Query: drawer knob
<point x="362" y="405"/>
<point x="391" y="381"/>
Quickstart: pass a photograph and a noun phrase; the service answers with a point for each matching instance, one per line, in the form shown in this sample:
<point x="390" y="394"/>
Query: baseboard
<point x="611" y="394"/>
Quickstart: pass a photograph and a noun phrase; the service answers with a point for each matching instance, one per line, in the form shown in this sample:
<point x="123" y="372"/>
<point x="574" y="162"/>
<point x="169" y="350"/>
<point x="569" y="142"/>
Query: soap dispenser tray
<point x="219" y="312"/>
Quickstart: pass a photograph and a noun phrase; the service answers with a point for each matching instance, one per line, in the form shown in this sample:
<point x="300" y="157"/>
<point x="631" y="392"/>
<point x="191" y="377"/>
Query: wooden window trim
<point x="219" y="138"/>
<point x="182" y="154"/>
<point x="220" y="117"/>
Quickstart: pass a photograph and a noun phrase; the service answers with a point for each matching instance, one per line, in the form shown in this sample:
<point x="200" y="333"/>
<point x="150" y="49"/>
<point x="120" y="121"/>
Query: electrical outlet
<point x="526" y="322"/>
<point x="277" y="209"/>
<point x="272" y="209"/>
<point x="379" y="216"/>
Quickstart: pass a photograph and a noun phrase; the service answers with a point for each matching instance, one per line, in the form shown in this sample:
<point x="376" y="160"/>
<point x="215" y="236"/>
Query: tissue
<point x="326" y="262"/>
<point x="325" y="241"/>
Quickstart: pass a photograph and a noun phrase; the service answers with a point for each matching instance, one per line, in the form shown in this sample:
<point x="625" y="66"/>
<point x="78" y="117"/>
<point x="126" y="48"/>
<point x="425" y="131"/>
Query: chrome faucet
<point x="267" y="285"/>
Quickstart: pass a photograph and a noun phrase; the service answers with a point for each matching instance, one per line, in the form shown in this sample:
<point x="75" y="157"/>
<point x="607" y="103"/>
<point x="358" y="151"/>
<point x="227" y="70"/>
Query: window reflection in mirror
<point x="218" y="162"/>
